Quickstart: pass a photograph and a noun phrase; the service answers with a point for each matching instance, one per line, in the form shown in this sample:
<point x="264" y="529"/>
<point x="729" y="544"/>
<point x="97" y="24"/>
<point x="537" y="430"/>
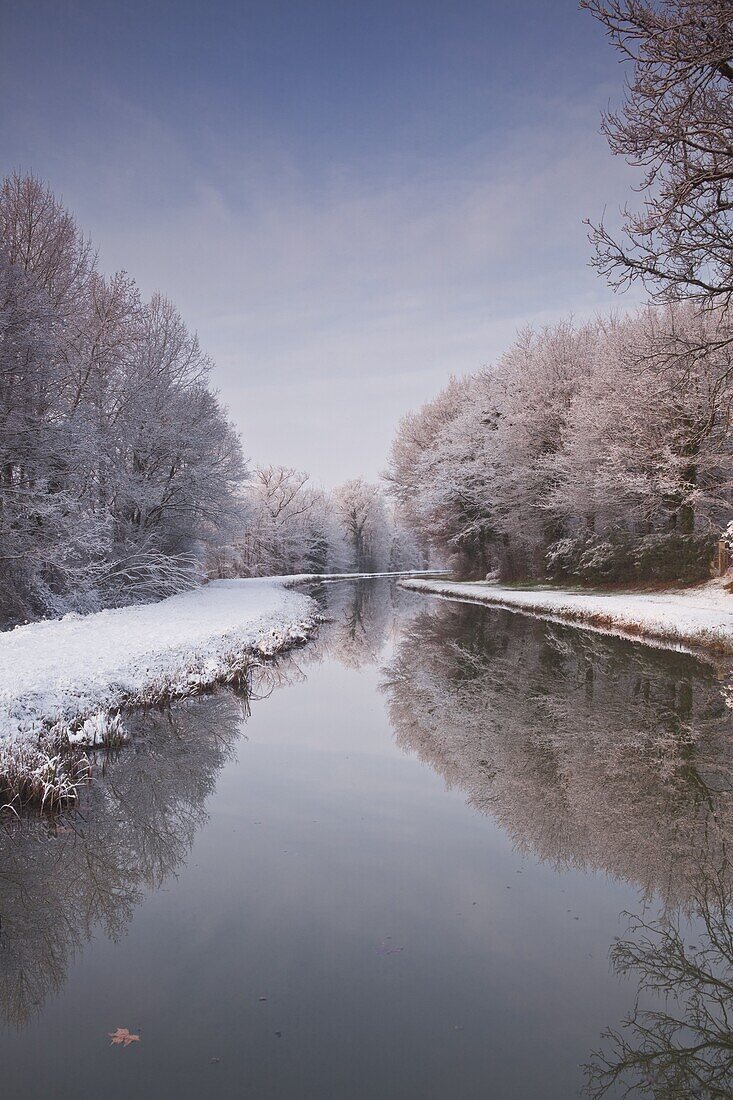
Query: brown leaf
<point x="123" y="1036"/>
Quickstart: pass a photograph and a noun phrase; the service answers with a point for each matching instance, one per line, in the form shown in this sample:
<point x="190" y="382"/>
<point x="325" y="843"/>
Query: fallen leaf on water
<point x="122" y="1036"/>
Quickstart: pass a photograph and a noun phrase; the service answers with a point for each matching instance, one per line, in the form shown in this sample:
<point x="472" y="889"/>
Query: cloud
<point x="334" y="296"/>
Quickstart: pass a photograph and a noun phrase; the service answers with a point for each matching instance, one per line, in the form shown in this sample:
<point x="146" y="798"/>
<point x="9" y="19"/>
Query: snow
<point x="700" y="616"/>
<point x="69" y="673"/>
<point x="64" y="681"/>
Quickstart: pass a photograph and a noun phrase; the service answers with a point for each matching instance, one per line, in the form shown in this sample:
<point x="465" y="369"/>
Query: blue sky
<point x="349" y="201"/>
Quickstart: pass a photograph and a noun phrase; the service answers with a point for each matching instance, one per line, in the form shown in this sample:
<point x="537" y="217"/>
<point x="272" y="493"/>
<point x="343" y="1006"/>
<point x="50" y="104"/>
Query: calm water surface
<point x="435" y="861"/>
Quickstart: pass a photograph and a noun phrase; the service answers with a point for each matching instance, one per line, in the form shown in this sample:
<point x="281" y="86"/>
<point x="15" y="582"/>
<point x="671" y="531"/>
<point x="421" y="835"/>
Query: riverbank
<point x="63" y="682"/>
<point x="699" y="617"/>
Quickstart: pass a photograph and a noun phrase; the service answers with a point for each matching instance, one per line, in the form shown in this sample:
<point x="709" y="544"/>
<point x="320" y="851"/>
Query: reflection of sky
<point x="348" y="201"/>
<point x="346" y="907"/>
<point x="325" y="843"/>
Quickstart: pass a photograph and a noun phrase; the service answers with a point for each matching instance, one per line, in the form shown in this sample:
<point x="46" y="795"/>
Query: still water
<point x="433" y="855"/>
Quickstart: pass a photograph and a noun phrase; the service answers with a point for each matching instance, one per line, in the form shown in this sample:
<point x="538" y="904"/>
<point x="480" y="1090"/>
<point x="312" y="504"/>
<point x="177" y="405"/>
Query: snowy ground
<point x="61" y="669"/>
<point x="701" y="616"/>
<point x="65" y="679"/>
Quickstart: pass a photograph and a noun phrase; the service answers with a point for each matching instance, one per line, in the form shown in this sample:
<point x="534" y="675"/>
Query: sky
<point x="349" y="201"/>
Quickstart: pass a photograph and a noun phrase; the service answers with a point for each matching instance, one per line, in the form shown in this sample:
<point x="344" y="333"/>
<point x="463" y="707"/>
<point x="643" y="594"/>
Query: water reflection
<point x="597" y="754"/>
<point x="592" y="753"/>
<point x="681" y="1045"/>
<point x="61" y="880"/>
<point x="361" y="616"/>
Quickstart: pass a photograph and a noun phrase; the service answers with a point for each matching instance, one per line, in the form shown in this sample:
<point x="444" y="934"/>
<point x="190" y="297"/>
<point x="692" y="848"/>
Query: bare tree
<point x="676" y="123"/>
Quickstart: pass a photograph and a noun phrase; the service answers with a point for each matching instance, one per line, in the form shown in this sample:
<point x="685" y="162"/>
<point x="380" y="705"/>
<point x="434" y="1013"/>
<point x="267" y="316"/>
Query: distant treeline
<point x="121" y="476"/>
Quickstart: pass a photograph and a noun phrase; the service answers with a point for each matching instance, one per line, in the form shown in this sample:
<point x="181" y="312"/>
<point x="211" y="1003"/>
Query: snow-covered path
<point x="701" y="616"/>
<point x="63" y="670"/>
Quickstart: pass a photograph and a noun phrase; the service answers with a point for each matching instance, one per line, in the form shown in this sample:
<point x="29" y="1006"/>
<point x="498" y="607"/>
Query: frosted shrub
<point x="674" y="557"/>
<point x="590" y="559"/>
<point x="664" y="557"/>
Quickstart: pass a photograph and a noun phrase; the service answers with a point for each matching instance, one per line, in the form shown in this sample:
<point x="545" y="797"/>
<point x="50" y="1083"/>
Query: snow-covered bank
<point x="63" y="681"/>
<point x="701" y="616"/>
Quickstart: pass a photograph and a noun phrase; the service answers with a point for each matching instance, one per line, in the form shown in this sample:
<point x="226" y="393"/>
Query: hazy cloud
<point x="334" y="292"/>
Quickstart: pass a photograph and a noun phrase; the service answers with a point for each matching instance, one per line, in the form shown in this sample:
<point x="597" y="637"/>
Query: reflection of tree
<point x="268" y="676"/>
<point x="60" y="881"/>
<point x="596" y="753"/>
<point x="590" y="751"/>
<point x="362" y="616"/>
<point x="683" y="1045"/>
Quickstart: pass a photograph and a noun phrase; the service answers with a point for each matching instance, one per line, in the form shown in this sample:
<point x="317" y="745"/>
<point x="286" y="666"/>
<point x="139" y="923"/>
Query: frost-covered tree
<point x="48" y="540"/>
<point x="405" y="552"/>
<point x="441" y="460"/>
<point x="178" y="457"/>
<point x="540" y="377"/>
<point x="289" y="526"/>
<point x="648" y="442"/>
<point x="416" y="439"/>
<point x="119" y="469"/>
<point x="476" y="482"/>
<point x="600" y="452"/>
<point x="362" y="515"/>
